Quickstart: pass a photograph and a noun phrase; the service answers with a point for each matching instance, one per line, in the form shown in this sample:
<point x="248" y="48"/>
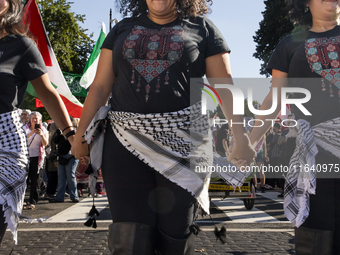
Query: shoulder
<point x="294" y="39"/>
<point x="26" y="128"/>
<point x="19" y="40"/>
<point x="122" y="25"/>
<point x="125" y="22"/>
<point x="199" y="20"/>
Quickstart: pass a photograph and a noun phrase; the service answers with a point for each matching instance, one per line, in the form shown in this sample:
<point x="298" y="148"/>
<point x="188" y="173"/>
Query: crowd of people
<point x="52" y="174"/>
<point x="146" y="63"/>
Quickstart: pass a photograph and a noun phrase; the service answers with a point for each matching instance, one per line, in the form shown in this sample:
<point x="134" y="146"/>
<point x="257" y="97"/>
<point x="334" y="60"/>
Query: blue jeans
<point x="67" y="175"/>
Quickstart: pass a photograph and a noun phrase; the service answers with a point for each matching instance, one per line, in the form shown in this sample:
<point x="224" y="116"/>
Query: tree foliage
<point x="70" y="43"/>
<point x="274" y="26"/>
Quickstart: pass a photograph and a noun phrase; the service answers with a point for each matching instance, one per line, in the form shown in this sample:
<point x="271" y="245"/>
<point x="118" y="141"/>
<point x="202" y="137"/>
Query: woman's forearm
<point x="95" y="99"/>
<point x="218" y="67"/>
<point x="52" y="101"/>
<point x="258" y="132"/>
<point x="100" y="90"/>
<point x="279" y="81"/>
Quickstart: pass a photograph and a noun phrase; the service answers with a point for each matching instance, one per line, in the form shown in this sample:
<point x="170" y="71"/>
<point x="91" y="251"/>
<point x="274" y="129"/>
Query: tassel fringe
<point x="92" y="214"/>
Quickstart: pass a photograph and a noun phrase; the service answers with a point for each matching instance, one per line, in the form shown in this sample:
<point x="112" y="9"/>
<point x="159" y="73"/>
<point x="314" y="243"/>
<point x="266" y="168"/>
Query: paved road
<point x="263" y="230"/>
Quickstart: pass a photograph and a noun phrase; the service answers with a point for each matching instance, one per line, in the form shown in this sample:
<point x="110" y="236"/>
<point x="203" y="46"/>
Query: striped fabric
<point x="301" y="184"/>
<point x="175" y="144"/>
<point x="13" y="168"/>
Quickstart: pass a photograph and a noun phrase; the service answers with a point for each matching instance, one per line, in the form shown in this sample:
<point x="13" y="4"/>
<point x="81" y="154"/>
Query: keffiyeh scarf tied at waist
<point x="14" y="162"/>
<point x="175" y="144"/>
<point x="300" y="181"/>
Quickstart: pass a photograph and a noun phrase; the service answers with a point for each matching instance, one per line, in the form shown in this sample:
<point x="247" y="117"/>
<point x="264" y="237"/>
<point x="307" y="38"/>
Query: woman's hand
<point x="242" y="153"/>
<point x="38" y="131"/>
<point x="79" y="147"/>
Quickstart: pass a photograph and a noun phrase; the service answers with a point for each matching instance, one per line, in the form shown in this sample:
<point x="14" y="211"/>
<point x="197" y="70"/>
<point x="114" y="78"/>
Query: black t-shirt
<point x="20" y="62"/>
<point x="153" y="63"/>
<point x="314" y="56"/>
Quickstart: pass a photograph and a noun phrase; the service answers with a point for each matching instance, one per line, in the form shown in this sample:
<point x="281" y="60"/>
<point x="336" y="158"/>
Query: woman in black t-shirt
<point x="310" y="60"/>
<point x="146" y="63"/>
<point x="20" y="62"/>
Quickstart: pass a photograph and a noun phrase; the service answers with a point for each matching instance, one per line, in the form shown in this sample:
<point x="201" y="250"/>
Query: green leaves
<point x="274" y="26"/>
<point x="69" y="41"/>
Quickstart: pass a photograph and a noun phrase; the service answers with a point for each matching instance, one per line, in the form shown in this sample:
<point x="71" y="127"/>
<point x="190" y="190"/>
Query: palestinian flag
<point x="34" y="22"/>
<point x="91" y="65"/>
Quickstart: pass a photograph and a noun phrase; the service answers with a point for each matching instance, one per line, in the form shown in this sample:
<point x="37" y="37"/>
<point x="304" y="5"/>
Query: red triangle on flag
<point x="34" y="23"/>
<point x="38" y="103"/>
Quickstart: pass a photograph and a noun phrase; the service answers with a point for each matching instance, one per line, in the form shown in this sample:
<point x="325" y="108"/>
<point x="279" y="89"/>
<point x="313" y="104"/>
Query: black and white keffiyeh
<point x="175" y="144"/>
<point x="14" y="161"/>
<point x="300" y="181"/>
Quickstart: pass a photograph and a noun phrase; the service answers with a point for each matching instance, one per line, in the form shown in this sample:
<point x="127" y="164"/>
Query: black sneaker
<point x="263" y="190"/>
<point x="280" y="195"/>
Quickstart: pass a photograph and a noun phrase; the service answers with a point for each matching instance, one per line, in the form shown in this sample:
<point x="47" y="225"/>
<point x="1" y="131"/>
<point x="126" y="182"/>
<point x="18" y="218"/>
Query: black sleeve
<point x="32" y="65"/>
<point x="110" y="38"/>
<point x="216" y="43"/>
<point x="280" y="58"/>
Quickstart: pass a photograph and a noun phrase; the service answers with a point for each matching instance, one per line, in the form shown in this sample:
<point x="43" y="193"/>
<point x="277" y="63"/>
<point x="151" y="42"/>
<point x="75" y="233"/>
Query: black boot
<point x="170" y="246"/>
<point x="128" y="238"/>
<point x="313" y="241"/>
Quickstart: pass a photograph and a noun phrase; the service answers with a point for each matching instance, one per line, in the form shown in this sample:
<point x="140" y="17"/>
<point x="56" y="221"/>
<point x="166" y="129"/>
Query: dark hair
<point x="184" y="7"/>
<point x="277" y="124"/>
<point x="11" y="21"/>
<point x="299" y="13"/>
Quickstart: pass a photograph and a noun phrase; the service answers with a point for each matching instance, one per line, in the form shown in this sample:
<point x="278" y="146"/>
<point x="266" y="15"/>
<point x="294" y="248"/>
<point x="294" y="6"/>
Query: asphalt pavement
<point x="265" y="231"/>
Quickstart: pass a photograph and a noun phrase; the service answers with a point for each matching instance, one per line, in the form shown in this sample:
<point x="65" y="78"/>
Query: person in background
<point x="37" y="138"/>
<point x="261" y="158"/>
<point x="67" y="166"/>
<point x="20" y="63"/>
<point x="52" y="163"/>
<point x="24" y="116"/>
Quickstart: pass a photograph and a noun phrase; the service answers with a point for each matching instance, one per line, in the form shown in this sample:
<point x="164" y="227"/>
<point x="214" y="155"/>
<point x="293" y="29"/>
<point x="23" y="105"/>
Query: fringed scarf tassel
<point x="92" y="214"/>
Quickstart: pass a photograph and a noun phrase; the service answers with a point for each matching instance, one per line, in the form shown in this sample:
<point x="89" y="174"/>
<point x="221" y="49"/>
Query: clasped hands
<point x="241" y="152"/>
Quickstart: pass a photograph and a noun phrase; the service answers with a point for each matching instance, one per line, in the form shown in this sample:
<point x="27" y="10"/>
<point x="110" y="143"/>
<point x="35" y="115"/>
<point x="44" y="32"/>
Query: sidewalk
<point x="79" y="240"/>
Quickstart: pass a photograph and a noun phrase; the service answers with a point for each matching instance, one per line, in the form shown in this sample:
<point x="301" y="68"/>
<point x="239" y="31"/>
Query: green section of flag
<point x="30" y="90"/>
<point x="91" y="65"/>
<point x="72" y="81"/>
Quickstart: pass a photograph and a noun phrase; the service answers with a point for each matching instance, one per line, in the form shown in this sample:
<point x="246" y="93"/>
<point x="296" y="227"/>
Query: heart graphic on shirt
<point x="152" y="51"/>
<point x="323" y="57"/>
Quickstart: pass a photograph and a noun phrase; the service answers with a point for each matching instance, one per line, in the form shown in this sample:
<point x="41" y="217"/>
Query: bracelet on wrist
<point x="72" y="132"/>
<point x="66" y="128"/>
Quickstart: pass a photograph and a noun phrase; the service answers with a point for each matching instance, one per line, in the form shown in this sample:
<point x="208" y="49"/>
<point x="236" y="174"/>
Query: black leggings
<point x="3" y="225"/>
<point x="325" y="205"/>
<point x="33" y="175"/>
<point x="137" y="193"/>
